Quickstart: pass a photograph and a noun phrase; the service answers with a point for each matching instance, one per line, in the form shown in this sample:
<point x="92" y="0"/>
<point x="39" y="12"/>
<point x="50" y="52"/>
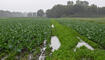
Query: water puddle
<point x="55" y="43"/>
<point x="30" y="57"/>
<point x="4" y="57"/>
<point x="82" y="43"/>
<point x="42" y="55"/>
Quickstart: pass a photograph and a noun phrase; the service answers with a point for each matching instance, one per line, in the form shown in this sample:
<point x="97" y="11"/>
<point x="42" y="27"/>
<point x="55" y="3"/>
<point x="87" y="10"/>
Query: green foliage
<point x="93" y="31"/>
<point x="23" y="35"/>
<point x="80" y="9"/>
<point x="68" y="39"/>
<point x="40" y="13"/>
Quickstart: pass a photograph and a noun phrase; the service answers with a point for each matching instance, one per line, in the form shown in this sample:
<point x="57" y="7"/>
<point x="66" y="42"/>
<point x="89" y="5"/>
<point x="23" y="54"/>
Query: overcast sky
<point x="34" y="5"/>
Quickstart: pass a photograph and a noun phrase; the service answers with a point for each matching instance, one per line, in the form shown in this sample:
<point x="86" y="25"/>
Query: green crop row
<point x="68" y="39"/>
<point x="22" y="35"/>
<point x="93" y="31"/>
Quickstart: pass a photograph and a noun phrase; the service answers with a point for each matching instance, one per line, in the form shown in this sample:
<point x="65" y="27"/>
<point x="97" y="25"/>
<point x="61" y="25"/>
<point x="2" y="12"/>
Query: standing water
<point x="42" y="56"/>
<point x="82" y="43"/>
<point x="55" y="43"/>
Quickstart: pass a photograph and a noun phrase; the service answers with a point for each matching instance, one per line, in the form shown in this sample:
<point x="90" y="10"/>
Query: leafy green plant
<point x="23" y="35"/>
<point x="93" y="31"/>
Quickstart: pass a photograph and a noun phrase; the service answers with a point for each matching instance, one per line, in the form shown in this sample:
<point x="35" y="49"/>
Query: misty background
<point x="34" y="5"/>
<point x="52" y="8"/>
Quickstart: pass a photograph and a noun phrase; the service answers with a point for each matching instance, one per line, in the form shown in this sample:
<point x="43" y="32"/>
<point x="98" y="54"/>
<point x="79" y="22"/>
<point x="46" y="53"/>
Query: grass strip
<point x="68" y="39"/>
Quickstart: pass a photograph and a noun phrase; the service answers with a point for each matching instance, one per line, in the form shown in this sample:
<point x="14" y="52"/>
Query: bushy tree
<point x="80" y="9"/>
<point x="40" y="13"/>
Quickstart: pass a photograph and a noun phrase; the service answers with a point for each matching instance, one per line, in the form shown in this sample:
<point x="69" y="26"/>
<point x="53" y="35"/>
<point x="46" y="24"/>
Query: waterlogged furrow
<point x="83" y="43"/>
<point x="69" y="40"/>
<point x="42" y="55"/>
<point x="22" y="37"/>
<point x="55" y="43"/>
<point x="93" y="31"/>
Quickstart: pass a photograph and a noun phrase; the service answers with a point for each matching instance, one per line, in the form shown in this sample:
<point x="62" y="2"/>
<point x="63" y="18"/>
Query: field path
<point x="69" y="41"/>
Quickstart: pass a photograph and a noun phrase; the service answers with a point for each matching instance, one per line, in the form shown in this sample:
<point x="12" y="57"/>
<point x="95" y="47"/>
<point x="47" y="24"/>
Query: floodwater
<point x="4" y="57"/>
<point x="42" y="55"/>
<point x="82" y="43"/>
<point x="55" y="43"/>
<point x="30" y="57"/>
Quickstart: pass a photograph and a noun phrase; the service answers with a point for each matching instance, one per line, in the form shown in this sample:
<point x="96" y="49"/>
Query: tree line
<point x="39" y="13"/>
<point x="80" y="9"/>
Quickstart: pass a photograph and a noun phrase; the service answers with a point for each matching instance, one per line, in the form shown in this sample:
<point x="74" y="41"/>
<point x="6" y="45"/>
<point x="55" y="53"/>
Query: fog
<point x="34" y="5"/>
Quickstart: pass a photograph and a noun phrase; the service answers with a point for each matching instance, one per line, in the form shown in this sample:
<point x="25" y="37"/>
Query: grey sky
<point x="34" y="5"/>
